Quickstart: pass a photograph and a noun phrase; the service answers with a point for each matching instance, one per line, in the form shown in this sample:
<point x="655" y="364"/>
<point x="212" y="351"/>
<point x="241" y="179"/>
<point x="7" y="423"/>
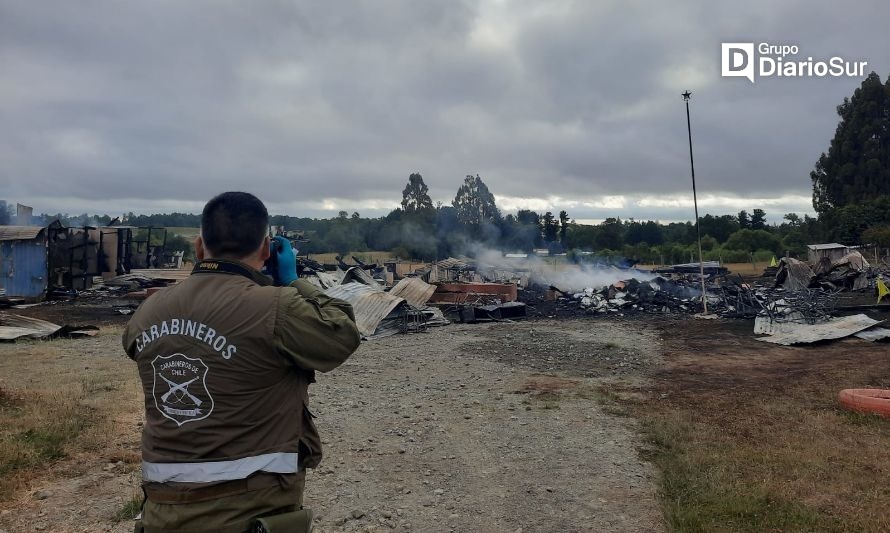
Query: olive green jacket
<point x="225" y="361"/>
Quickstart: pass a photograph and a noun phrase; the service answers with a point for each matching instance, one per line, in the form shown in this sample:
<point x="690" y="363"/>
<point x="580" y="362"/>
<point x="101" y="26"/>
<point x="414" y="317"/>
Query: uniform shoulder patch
<point x="180" y="388"/>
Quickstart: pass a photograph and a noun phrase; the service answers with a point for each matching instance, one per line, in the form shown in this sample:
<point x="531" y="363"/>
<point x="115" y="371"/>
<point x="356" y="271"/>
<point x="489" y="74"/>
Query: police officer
<point x="225" y="359"/>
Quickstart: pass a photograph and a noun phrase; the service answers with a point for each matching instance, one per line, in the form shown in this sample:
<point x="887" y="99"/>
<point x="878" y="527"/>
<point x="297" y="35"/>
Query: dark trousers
<point x="233" y="513"/>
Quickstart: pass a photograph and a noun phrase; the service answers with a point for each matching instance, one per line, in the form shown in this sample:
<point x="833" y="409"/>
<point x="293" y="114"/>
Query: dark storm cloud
<point x="319" y="107"/>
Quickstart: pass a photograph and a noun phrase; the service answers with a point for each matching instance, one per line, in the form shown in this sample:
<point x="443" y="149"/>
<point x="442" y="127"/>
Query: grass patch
<point x="863" y="419"/>
<point x="700" y="492"/>
<point x="750" y="437"/>
<point x="45" y="444"/>
<point x="788" y="462"/>
<point x="37" y="429"/>
<point x="93" y="385"/>
<point x="62" y="414"/>
<point x="129" y="509"/>
<point x="609" y="400"/>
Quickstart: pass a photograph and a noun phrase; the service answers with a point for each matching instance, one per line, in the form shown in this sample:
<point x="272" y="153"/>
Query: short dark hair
<point x="234" y="224"/>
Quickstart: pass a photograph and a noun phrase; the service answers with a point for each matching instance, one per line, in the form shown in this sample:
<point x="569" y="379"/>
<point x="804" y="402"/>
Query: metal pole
<point x="701" y="263"/>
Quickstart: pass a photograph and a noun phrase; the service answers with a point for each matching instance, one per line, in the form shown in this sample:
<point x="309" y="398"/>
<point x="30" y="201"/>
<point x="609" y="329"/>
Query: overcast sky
<point x="154" y="106"/>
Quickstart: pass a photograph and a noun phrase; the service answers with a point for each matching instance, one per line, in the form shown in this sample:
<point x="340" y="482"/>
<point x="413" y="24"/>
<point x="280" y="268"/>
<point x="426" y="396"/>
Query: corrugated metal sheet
<point x="855" y="261"/>
<point x="359" y="275"/>
<point x="788" y="333"/>
<point x="705" y="264"/>
<point x="14" y="327"/>
<point x="793" y="274"/>
<point x="415" y="291"/>
<point x="370" y="305"/>
<point x="322" y="280"/>
<point x="23" y="265"/>
<point x="874" y="334"/>
<point x="453" y="262"/>
<point x="19" y="233"/>
<point x="827" y="246"/>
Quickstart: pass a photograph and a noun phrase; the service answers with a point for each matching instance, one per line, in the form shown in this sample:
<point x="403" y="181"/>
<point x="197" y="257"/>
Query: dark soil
<point x="589" y="347"/>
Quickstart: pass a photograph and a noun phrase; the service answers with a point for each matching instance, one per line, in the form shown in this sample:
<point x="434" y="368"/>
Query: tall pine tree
<point x="474" y="203"/>
<point x="563" y="227"/>
<point x="551" y="227"/>
<point x="415" y="196"/>
<point x="856" y="168"/>
<point x="758" y="219"/>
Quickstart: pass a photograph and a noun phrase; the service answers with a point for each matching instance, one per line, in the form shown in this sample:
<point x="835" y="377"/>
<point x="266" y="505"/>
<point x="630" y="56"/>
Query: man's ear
<point x="265" y="252"/>
<point x="199" y="248"/>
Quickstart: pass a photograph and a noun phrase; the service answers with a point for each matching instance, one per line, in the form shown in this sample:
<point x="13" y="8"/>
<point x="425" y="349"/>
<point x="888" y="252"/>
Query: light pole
<point x="701" y="263"/>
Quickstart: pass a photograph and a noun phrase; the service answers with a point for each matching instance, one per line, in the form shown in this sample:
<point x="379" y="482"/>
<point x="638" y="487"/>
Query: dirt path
<point x="464" y="428"/>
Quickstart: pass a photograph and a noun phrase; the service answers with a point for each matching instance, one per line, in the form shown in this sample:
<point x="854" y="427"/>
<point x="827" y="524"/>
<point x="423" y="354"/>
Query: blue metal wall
<point x="23" y="267"/>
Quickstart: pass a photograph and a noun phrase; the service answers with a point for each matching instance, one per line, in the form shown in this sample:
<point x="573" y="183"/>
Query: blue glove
<point x="286" y="262"/>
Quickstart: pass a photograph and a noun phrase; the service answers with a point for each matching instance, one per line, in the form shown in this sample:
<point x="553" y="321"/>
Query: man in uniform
<point x="225" y="359"/>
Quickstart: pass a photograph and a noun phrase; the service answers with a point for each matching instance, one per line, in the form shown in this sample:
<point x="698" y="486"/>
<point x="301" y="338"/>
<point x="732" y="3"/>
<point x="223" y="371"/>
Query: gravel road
<point x="489" y="428"/>
<point x="434" y="432"/>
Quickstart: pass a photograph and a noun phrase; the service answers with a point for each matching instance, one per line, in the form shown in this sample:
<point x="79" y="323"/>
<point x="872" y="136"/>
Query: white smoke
<point x="575" y="278"/>
<point x="565" y="276"/>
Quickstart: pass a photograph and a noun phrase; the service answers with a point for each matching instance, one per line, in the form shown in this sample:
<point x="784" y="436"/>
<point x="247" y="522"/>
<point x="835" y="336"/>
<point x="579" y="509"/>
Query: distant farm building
<point x="833" y="251"/>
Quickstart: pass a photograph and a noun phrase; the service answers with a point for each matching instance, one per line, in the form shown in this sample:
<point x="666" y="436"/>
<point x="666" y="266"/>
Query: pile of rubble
<point x="129" y="287"/>
<point x="795" y="285"/>
<point x="851" y="272"/>
<point x="378" y="312"/>
<point x="806" y="316"/>
<point x="802" y="306"/>
<point x="657" y="295"/>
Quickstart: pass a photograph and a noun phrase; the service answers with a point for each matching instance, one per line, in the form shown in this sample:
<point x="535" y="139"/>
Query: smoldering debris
<point x="657" y="296"/>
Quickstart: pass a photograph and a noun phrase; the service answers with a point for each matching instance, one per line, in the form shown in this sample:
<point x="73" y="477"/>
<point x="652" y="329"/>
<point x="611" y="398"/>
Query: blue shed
<point x="24" y="261"/>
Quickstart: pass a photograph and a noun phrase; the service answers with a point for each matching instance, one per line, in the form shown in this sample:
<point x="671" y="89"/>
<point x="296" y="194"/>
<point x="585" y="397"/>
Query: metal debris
<point x="415" y="291"/>
<point x="371" y="305"/>
<point x="794" y="275"/>
<point x="788" y="333"/>
<point x="874" y="334"/>
<point x="14" y="327"/>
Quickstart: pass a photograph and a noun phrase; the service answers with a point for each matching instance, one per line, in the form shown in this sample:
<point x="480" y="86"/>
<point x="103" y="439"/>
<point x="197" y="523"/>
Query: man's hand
<point x="286" y="262"/>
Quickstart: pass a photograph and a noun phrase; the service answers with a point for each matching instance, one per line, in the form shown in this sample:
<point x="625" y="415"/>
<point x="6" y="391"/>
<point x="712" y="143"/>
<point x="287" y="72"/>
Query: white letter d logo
<point x="737" y="60"/>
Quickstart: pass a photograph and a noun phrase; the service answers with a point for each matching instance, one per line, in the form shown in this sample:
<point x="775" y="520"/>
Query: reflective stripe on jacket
<point x="212" y="471"/>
